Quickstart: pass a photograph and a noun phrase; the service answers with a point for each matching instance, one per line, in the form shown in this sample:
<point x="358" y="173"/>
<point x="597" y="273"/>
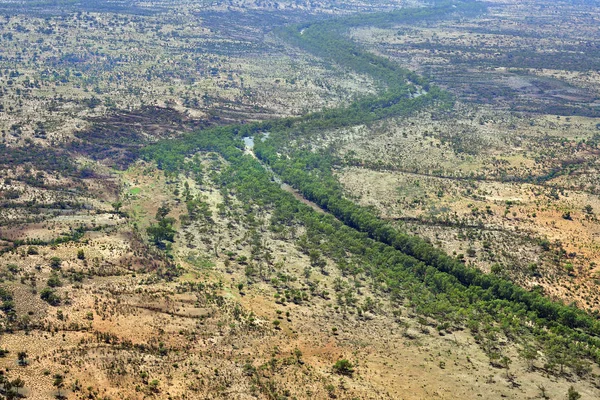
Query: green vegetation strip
<point x="404" y="267"/>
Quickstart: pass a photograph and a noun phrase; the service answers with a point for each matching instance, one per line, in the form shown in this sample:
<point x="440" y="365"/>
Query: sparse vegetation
<point x="298" y="200"/>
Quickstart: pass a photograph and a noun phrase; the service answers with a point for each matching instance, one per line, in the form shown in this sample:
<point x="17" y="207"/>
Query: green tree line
<point x="401" y="266"/>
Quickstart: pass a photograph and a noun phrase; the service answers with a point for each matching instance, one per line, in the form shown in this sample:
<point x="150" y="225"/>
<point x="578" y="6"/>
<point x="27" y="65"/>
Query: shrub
<point x="54" y="281"/>
<point x="573" y="394"/>
<point x="50" y="296"/>
<point x="343" y="367"/>
<point x="55" y="262"/>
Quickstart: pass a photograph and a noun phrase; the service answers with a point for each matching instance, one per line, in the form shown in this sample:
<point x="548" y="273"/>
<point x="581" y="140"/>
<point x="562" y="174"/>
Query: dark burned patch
<point x="248" y="24"/>
<point x="115" y="139"/>
<point x="43" y="8"/>
<point x="519" y="92"/>
<point x="41" y="158"/>
<point x="227" y="112"/>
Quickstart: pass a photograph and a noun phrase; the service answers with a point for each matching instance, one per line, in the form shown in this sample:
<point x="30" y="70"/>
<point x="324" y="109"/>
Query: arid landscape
<point x="299" y="200"/>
